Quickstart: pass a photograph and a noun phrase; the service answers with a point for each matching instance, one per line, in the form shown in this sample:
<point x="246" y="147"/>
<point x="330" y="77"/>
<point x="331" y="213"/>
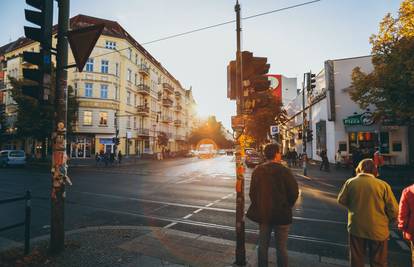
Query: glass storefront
<point x="367" y="142"/>
<point x="81" y="147"/>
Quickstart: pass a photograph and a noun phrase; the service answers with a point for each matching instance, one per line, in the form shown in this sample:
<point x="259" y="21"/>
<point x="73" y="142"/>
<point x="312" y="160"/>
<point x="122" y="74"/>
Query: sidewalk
<point x="129" y="246"/>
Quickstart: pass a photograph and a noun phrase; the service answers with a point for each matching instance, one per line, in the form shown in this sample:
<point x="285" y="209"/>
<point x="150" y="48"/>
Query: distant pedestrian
<point x="289" y="158"/>
<point x="112" y="158"/>
<point x="371" y="207"/>
<point x="119" y="157"/>
<point x="96" y="159"/>
<point x="325" y="163"/>
<point x="294" y="158"/>
<point x="378" y="160"/>
<point x="338" y="159"/>
<point x="406" y="217"/>
<point x="273" y="193"/>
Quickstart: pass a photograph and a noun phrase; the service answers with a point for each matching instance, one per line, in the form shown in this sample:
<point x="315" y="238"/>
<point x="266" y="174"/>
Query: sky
<point x="294" y="41"/>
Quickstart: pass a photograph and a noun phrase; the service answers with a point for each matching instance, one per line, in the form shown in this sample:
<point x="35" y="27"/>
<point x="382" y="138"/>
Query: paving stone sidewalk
<point x="155" y="247"/>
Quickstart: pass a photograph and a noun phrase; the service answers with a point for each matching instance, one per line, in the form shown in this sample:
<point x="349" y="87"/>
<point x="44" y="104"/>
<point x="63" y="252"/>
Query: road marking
<point x="188" y="216"/>
<point x="403" y="245"/>
<point x="170" y="225"/>
<point x="210" y="204"/>
<point x="197" y="211"/>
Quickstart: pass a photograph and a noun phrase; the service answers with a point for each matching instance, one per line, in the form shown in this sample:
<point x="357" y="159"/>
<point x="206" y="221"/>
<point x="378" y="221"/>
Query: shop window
<point x="342" y="147"/>
<point x="396" y="146"/>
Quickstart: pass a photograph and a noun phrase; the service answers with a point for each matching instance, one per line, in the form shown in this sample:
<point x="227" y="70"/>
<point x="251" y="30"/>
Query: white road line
<point x="403" y="245"/>
<point x="188" y="216"/>
<point x="394" y="234"/>
<point x="170" y="225"/>
<point x="210" y="204"/>
<point x="197" y="211"/>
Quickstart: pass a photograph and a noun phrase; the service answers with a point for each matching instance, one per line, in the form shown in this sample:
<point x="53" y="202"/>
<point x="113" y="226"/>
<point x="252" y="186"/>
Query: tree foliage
<point x="258" y="124"/>
<point x="212" y="129"/>
<point x="163" y="140"/>
<point x="390" y="87"/>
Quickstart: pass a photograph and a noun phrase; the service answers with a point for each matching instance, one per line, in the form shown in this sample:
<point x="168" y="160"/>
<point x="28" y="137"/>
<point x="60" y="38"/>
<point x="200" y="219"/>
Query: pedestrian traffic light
<point x="254" y="70"/>
<point x="310" y="81"/>
<point x="40" y="89"/>
<point x="231" y="80"/>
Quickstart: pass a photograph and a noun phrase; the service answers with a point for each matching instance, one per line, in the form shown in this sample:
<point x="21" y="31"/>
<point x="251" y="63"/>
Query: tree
<point x="35" y="120"/>
<point x="212" y="129"/>
<point x="390" y="86"/>
<point x="258" y="124"/>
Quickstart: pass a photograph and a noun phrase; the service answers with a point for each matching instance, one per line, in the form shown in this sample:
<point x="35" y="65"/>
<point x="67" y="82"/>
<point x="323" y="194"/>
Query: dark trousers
<point x="412" y="253"/>
<point x="281" y="236"/>
<point x="378" y="252"/>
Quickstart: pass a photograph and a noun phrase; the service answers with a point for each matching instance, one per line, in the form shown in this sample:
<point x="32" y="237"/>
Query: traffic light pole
<point x="304" y="140"/>
<point x="240" y="225"/>
<point x="59" y="165"/>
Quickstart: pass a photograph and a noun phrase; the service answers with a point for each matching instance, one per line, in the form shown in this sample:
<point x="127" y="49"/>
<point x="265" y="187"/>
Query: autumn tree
<point x="390" y="86"/>
<point x="259" y="122"/>
<point x="212" y="129"/>
<point x="35" y="120"/>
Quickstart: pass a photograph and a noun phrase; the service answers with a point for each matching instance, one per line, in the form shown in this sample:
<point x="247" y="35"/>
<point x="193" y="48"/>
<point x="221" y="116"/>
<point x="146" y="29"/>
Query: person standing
<point x="325" y="162"/>
<point x="406" y="217"/>
<point x="338" y="159"/>
<point x="371" y="207"/>
<point x="273" y="193"/>
<point x="378" y="160"/>
<point x="294" y="158"/>
<point x="119" y="157"/>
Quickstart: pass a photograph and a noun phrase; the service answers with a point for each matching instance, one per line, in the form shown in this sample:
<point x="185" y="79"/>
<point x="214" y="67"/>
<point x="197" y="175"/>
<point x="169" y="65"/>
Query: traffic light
<point x="310" y="81"/>
<point x="309" y="135"/>
<point x="254" y="70"/>
<point x="40" y="89"/>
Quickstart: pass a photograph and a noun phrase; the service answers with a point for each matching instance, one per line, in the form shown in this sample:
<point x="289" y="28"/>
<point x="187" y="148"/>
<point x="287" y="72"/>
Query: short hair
<point x="271" y="150"/>
<point x="366" y="166"/>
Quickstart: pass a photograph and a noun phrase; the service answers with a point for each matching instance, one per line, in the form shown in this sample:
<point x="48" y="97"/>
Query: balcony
<point x="167" y="102"/>
<point x="143" y="132"/>
<point x="143" y="89"/>
<point x="168" y="88"/>
<point x="143" y="110"/>
<point x="177" y="123"/>
<point x="144" y="70"/>
<point x="177" y="94"/>
<point x="166" y="119"/>
<point x="178" y="108"/>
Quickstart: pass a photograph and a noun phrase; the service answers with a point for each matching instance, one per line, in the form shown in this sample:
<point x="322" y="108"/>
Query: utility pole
<point x="240" y="224"/>
<point x="304" y="140"/>
<point x="59" y="166"/>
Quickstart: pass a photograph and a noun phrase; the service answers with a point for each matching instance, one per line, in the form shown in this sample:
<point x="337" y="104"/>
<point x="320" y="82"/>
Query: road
<point x="190" y="194"/>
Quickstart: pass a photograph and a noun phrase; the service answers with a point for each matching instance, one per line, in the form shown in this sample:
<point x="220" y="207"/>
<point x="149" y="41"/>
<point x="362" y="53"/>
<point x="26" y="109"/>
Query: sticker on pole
<point x="274" y="129"/>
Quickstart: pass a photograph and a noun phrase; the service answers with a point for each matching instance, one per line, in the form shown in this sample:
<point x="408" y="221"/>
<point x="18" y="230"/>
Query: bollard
<point x="27" y="219"/>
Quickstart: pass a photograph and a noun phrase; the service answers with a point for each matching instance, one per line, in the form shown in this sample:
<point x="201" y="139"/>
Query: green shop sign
<point x="360" y="119"/>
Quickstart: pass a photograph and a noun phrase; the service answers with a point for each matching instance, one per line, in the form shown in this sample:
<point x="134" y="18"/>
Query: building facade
<point x="338" y="123"/>
<point x="123" y="91"/>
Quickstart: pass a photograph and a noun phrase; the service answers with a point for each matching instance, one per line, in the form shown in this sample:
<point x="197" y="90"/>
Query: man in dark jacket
<point x="273" y="193"/>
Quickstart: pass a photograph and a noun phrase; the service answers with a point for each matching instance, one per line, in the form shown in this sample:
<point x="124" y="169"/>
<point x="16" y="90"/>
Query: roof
<point x="112" y="28"/>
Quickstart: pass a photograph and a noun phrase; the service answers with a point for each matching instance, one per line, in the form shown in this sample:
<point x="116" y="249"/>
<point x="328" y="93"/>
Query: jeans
<point x="378" y="251"/>
<point x="281" y="236"/>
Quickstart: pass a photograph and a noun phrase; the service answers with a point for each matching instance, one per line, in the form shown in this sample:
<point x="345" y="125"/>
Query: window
<point x="129" y="53"/>
<point x="396" y="146"/>
<point x="87" y="118"/>
<point x="136" y="59"/>
<point x="129" y="122"/>
<point x="88" y="90"/>
<point x="104" y="66"/>
<point x="103" y="118"/>
<point x="104" y="91"/>
<point x="128" y="98"/>
<point x="89" y="65"/>
<point x="135" y="100"/>
<point x="116" y="92"/>
<point x="110" y="45"/>
<point x="136" y="78"/>
<point x="117" y="69"/>
<point x="135" y="122"/>
<point x="129" y="74"/>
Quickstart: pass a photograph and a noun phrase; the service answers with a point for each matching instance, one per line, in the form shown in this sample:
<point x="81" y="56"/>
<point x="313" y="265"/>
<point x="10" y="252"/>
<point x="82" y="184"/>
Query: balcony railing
<point x="143" y="89"/>
<point x="167" y="87"/>
<point x="177" y="94"/>
<point x="143" y="110"/>
<point x="177" y="123"/>
<point x="143" y="69"/>
<point x="167" y="102"/>
<point x="166" y="119"/>
<point x="143" y="132"/>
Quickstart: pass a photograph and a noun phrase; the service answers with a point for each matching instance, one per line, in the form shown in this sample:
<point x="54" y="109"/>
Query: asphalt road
<point x="191" y="194"/>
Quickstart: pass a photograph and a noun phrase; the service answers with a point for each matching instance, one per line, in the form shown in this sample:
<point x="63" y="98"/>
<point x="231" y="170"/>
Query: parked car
<point x="12" y="158"/>
<point x="253" y="158"/>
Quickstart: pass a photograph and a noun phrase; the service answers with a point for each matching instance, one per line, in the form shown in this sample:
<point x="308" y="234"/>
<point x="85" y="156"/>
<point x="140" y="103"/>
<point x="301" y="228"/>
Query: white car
<point x="12" y="158"/>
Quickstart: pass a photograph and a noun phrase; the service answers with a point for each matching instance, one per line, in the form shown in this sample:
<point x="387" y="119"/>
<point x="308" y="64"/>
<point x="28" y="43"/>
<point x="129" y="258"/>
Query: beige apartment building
<point x="123" y="89"/>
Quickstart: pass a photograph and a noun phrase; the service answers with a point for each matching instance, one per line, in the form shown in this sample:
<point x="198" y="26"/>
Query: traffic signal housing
<point x="309" y="135"/>
<point x="231" y="80"/>
<point x="310" y="81"/>
<point x="41" y="76"/>
<point x="254" y="70"/>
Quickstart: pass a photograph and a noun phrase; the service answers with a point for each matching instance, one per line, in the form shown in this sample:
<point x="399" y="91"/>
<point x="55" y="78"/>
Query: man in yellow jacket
<point x="371" y="207"/>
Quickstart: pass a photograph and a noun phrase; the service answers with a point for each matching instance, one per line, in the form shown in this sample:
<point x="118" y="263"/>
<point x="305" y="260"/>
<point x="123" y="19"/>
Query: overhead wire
<point x="212" y="26"/>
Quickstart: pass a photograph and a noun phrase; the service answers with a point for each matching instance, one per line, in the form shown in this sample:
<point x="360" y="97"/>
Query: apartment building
<point x="123" y="91"/>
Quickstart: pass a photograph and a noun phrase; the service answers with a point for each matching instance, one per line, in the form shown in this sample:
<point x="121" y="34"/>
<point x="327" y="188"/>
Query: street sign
<point x="82" y="41"/>
<point x="274" y="129"/>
